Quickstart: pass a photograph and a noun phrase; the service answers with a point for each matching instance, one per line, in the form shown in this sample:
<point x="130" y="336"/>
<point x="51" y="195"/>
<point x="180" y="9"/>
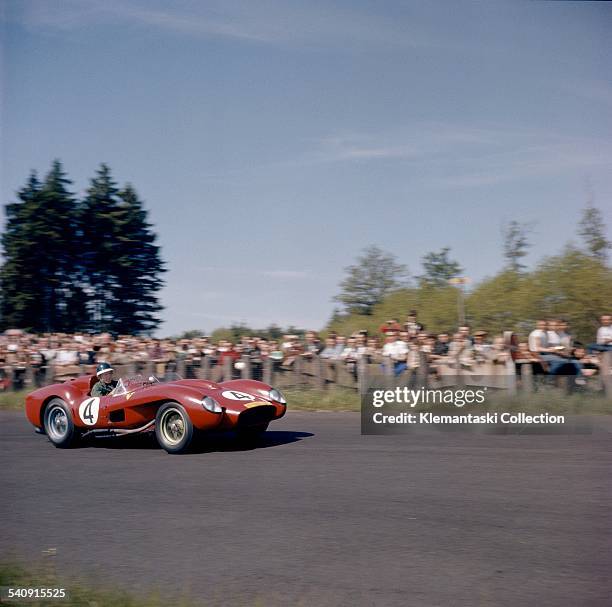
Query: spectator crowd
<point x="398" y="347"/>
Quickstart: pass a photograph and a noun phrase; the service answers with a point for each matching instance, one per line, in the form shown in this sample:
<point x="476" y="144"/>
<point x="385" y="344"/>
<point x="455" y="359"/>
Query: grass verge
<point x="12" y="401"/>
<point x="547" y="399"/>
<point x="335" y="399"/>
<point x="80" y="593"/>
<point x="16" y="576"/>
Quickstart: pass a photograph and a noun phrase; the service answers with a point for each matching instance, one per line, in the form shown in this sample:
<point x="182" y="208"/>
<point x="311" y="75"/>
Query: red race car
<point x="176" y="409"/>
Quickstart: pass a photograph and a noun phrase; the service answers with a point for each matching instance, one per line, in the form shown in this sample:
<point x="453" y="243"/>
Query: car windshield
<point x="137" y="382"/>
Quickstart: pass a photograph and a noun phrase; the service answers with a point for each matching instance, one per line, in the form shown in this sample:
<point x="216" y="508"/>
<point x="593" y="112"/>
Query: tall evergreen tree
<point x="38" y="247"/>
<point x="122" y="262"/>
<point x="516" y="243"/>
<point x="19" y="296"/>
<point x="138" y="268"/>
<point x="68" y="266"/>
<point x="97" y="220"/>
<point x="59" y="246"/>
<point x="593" y="231"/>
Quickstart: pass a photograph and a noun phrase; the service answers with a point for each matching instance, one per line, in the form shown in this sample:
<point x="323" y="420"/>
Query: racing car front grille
<point x="256" y="416"/>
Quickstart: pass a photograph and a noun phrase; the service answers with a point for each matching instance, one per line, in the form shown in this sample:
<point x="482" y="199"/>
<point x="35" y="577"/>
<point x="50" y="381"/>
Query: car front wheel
<point x="173" y="428"/>
<point x="58" y="424"/>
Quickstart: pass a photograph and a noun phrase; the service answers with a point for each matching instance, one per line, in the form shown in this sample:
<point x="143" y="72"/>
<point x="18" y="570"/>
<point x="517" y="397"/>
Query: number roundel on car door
<point x="89" y="409"/>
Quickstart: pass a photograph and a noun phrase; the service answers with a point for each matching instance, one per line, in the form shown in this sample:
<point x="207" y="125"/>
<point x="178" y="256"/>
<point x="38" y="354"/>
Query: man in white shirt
<point x="565" y="337"/>
<point x="555" y="352"/>
<point x="538" y="338"/>
<point x="350" y="352"/>
<point x="604" y="335"/>
<point x="480" y="346"/>
<point x="554" y="339"/>
<point x="396" y="350"/>
<point x="331" y="351"/>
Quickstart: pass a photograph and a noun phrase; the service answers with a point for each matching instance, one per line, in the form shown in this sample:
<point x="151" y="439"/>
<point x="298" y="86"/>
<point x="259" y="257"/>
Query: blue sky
<point x="272" y="141"/>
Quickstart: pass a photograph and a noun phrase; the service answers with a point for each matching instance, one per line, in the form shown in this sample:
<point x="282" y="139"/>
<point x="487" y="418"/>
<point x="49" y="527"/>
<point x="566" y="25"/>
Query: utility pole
<point x="460" y="282"/>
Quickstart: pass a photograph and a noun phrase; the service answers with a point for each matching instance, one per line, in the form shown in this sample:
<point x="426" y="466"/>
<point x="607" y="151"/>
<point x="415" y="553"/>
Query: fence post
<point x="204" y="370"/>
<point x="29" y="376"/>
<point x="459" y="379"/>
<point x="362" y="375"/>
<point x="180" y="366"/>
<point x="297" y="370"/>
<point x="527" y="377"/>
<point x="319" y="371"/>
<point x="228" y="365"/>
<point x="511" y="376"/>
<point x="388" y="366"/>
<point x="566" y="383"/>
<point x="245" y="372"/>
<point x="149" y="368"/>
<point x="422" y="373"/>
<point x="10" y="374"/>
<point x="267" y="371"/>
<point x="49" y="374"/>
<point x="606" y="378"/>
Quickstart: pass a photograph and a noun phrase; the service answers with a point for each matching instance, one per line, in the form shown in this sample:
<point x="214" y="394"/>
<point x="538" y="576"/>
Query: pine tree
<point x="122" y="262"/>
<point x="138" y="269"/>
<point x="59" y="247"/>
<point x="19" y="303"/>
<point x="68" y="266"/>
<point x="516" y="243"/>
<point x="98" y="214"/>
<point x="38" y="247"/>
<point x="593" y="231"/>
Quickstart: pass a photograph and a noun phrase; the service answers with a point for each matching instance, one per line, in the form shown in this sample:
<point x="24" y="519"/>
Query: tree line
<point x="575" y="284"/>
<point x="69" y="264"/>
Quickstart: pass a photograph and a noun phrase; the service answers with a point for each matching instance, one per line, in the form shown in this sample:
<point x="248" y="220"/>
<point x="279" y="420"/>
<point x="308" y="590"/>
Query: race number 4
<point x="88" y="410"/>
<point x="235" y="395"/>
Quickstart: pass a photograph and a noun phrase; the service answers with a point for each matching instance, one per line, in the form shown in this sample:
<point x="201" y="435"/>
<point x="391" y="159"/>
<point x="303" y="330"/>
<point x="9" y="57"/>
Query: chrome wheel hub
<point x="57" y="423"/>
<point x="172" y="426"/>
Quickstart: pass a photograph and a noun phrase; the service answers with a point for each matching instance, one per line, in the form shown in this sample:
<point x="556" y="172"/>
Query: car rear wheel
<point x="173" y="428"/>
<point x="58" y="424"/>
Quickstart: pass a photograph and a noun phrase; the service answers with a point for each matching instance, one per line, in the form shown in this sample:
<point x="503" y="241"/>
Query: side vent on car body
<point x="117" y="416"/>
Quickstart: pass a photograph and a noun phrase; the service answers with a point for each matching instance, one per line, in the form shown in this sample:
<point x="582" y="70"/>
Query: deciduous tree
<point x="375" y="274"/>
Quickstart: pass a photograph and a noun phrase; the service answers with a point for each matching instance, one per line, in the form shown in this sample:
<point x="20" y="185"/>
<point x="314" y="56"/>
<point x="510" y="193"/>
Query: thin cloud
<point x="270" y="22"/>
<point x="469" y="157"/>
<point x="417" y="142"/>
<point x="448" y="155"/>
<point x="530" y="161"/>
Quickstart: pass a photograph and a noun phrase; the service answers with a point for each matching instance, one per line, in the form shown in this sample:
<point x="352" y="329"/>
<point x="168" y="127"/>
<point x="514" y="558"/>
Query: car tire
<point x="173" y="428"/>
<point x="58" y="424"/>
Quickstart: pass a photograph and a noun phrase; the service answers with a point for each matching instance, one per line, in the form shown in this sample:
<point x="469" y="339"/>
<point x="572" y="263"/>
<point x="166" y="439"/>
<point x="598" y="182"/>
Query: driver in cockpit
<point x="105" y="384"/>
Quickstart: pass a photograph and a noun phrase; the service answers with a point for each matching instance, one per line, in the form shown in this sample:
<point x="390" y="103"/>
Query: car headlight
<point x="277" y="396"/>
<point x="210" y="404"/>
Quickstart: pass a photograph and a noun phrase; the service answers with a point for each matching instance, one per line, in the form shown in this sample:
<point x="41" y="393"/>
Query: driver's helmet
<point x="103" y="368"/>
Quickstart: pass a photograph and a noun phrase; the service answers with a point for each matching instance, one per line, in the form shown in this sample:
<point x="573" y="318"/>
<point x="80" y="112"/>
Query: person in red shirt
<point x="390" y="325"/>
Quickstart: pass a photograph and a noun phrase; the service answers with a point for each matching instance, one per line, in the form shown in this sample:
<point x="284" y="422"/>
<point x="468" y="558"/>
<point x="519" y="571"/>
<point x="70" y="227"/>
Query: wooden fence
<point x="319" y="373"/>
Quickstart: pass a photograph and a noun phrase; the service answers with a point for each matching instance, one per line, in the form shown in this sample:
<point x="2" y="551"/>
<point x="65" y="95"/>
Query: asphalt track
<point x="320" y="515"/>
